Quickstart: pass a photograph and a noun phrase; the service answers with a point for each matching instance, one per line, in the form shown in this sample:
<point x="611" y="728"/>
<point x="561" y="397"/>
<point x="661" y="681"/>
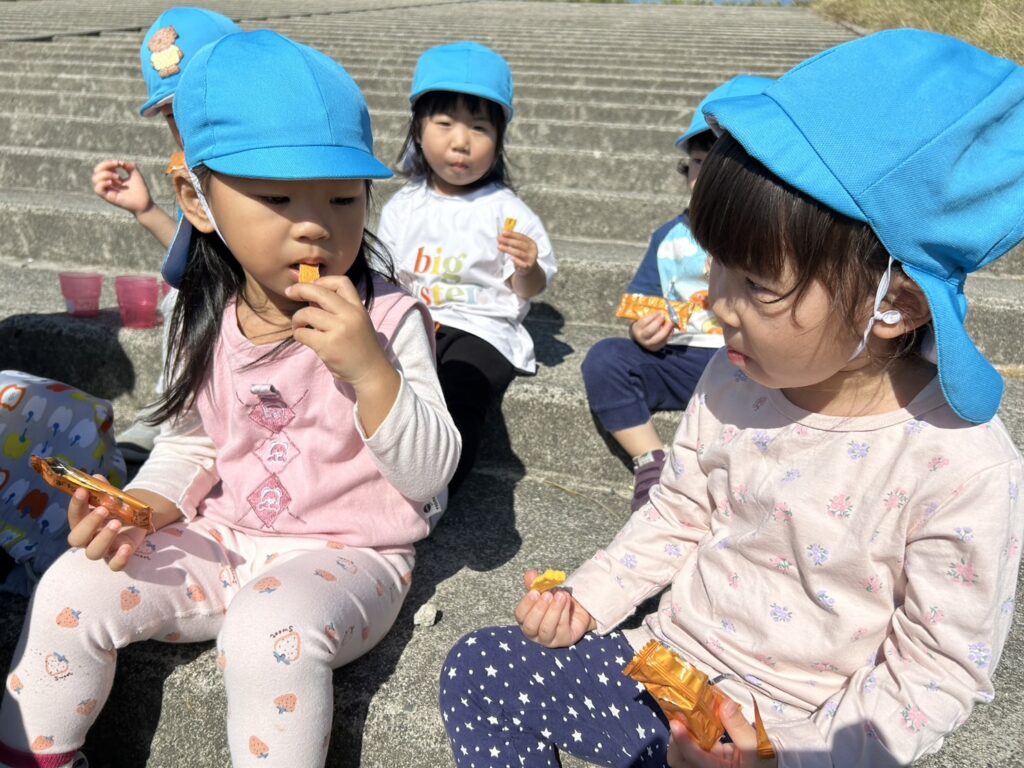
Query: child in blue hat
<point x="463" y="242"/>
<point x="167" y="48"/>
<point x="838" y="527"/>
<point x="659" y="365"/>
<point x="304" y="431"/>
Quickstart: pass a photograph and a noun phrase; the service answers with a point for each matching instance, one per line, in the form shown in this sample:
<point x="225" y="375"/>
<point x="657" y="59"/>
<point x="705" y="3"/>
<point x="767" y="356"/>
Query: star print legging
<point x="507" y="701"/>
<point x="285" y="612"/>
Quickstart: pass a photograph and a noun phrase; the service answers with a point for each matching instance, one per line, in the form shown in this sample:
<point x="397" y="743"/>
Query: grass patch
<point x="995" y="25"/>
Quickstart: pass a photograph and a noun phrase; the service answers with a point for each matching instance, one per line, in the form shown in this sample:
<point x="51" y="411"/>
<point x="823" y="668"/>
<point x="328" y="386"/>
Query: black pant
<point x="474" y="375"/>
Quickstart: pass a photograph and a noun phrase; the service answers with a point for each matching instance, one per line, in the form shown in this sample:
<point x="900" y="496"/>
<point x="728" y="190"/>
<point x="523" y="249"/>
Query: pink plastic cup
<point x="81" y="292"/>
<point x="137" y="298"/>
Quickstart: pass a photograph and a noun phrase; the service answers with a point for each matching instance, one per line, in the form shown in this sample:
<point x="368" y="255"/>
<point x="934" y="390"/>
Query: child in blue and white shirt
<point x="658" y="366"/>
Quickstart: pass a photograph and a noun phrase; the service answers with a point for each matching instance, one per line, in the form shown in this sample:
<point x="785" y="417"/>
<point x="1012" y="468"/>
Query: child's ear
<point x="907" y="298"/>
<point x="188" y="201"/>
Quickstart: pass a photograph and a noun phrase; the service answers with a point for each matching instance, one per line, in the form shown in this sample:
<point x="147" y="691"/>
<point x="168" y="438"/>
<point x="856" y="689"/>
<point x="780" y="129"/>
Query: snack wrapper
<point x="633" y="306"/>
<point x="309" y="273"/>
<point x="548" y="580"/>
<point x="509" y="225"/>
<point x="63" y="477"/>
<point x="683" y="691"/>
<point x="175" y="164"/>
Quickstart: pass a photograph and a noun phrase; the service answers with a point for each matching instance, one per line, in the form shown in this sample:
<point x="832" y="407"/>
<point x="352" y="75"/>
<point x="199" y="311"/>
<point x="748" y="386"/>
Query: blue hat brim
<point x="972" y="387"/>
<point x="285" y="163"/>
<point x="471" y="89"/>
<point x="695" y="130"/>
<point x="176" y="258"/>
<point x="154" y="102"/>
<point x="769" y="135"/>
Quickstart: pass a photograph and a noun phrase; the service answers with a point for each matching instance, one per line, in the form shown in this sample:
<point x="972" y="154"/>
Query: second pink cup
<point x="137" y="298"/>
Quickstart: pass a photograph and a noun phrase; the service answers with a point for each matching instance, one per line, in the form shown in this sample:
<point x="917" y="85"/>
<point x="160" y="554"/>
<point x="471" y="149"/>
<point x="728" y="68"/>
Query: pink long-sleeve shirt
<point x="855" y="576"/>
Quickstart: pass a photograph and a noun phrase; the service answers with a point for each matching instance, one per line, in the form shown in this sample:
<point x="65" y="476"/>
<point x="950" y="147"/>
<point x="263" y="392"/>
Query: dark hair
<point x="701" y="142"/>
<point x="747" y="218"/>
<point x="411" y="162"/>
<point x="213" y="278"/>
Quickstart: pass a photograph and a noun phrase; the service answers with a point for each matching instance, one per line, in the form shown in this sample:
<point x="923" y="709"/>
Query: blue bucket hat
<point x="741" y="85"/>
<point x="920" y="136"/>
<point x="464" y="67"/>
<point x="169" y="45"/>
<point x="258" y="105"/>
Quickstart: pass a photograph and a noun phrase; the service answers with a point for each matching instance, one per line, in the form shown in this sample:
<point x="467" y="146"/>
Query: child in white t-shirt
<point x="462" y="241"/>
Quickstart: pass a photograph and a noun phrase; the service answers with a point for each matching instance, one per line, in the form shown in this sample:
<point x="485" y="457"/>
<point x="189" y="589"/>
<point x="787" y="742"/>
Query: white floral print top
<point x="856" y="576"/>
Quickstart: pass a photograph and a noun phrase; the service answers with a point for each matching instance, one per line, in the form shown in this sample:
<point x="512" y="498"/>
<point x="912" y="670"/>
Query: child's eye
<point x="274" y="199"/>
<point x="342" y="200"/>
<point x="762" y="293"/>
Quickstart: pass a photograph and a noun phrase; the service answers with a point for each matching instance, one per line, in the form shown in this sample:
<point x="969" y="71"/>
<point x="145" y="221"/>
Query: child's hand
<point x="130" y="193"/>
<point x="652" y="331"/>
<point x="337" y="327"/>
<point x="553" y="619"/>
<point x="520" y="248"/>
<point x="684" y="752"/>
<point x="100" y="534"/>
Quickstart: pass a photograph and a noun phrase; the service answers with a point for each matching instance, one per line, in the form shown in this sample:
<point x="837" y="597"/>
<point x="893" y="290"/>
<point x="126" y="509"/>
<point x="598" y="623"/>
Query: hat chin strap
<point x="890" y="317"/>
<point x="205" y="205"/>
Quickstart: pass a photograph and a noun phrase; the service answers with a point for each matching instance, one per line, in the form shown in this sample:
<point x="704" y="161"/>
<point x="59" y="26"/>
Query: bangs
<point x="435" y="102"/>
<point x="750" y="220"/>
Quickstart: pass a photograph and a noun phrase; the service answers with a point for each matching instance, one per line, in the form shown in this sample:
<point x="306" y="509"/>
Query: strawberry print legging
<point x="285" y="612"/>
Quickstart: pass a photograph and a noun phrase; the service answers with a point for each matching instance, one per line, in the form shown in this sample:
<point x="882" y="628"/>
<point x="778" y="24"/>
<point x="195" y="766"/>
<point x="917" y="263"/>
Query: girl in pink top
<point x="837" y="531"/>
<point x="304" y="431"/>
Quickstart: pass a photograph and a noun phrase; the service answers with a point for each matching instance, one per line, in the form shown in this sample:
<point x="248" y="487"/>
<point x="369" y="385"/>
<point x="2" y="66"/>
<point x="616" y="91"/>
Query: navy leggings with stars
<point x="507" y="701"/>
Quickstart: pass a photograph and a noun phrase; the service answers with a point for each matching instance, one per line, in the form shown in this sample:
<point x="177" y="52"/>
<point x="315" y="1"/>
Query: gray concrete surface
<point x="601" y="93"/>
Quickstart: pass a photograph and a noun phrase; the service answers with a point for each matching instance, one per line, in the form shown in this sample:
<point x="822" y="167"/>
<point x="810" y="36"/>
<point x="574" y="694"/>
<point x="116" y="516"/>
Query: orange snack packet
<point x="548" y="580"/>
<point x="308" y="273"/>
<point x="510" y="225"/>
<point x="633" y="306"/>
<point x="683" y="691"/>
<point x="63" y="477"/>
<point x="175" y="164"/>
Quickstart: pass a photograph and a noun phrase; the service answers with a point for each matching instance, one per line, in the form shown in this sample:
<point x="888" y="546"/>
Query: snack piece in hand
<point x="548" y="580"/>
<point x="510" y="225"/>
<point x="125" y="508"/>
<point x="309" y="273"/>
<point x="684" y="692"/>
<point x="175" y="164"/>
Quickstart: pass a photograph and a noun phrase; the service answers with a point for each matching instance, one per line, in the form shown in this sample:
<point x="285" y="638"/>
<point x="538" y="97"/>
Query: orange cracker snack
<point x="633" y="306"/>
<point x="684" y="691"/>
<point x="125" y="508"/>
<point x="510" y="225"/>
<point x="548" y="580"/>
<point x="175" y="164"/>
<point x="308" y="273"/>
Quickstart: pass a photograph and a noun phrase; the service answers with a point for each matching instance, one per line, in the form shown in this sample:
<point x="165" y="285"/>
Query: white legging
<point x="285" y="612"/>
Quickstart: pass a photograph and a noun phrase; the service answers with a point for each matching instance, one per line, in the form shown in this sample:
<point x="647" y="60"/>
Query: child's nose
<point x="311" y="226"/>
<point x="720" y="297"/>
<point x="460" y="137"/>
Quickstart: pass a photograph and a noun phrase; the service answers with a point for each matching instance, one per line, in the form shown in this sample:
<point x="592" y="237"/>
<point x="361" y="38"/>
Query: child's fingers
<point x="555" y="618"/>
<point x="123" y="547"/>
<point x="524" y="606"/>
<point x="529" y="577"/>
<point x="78" y="509"/>
<point x="101" y="543"/>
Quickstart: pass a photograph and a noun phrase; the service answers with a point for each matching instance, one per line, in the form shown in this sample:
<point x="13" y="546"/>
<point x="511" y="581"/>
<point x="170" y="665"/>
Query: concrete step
<point x="123" y="106"/>
<point x="149" y="137"/>
<point x="51" y="226"/>
<point x="396" y="80"/>
<point x="55" y="170"/>
<point x="46" y="18"/>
